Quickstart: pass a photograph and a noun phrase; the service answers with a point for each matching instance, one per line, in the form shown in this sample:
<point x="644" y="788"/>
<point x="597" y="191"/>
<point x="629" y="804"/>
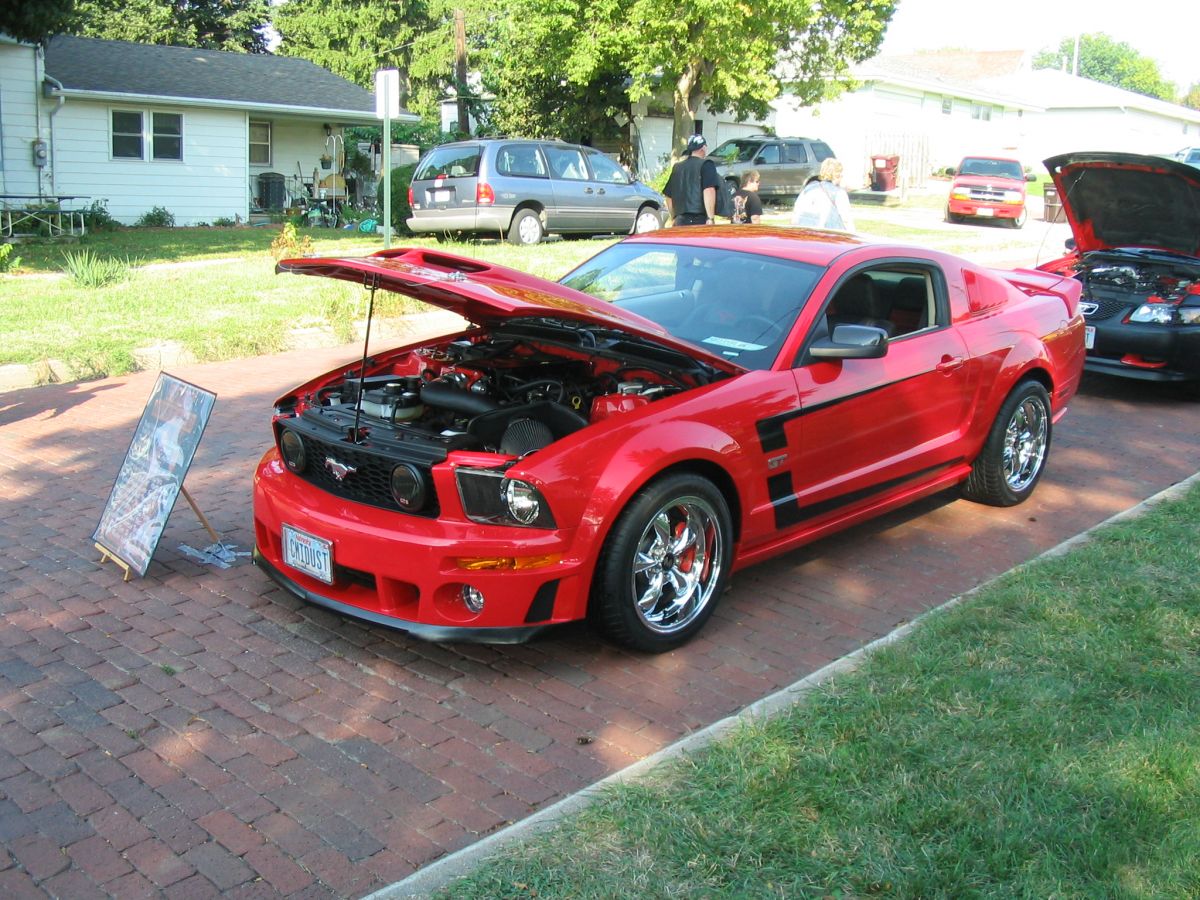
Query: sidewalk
<point x="199" y="732"/>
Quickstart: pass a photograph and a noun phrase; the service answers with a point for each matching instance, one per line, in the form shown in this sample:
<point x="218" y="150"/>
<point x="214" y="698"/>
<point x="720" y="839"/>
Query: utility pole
<point x="460" y="69"/>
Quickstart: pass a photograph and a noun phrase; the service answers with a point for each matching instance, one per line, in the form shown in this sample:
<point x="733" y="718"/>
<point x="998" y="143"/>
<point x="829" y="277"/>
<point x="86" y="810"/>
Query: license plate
<point x="311" y="555"/>
<point x="1089" y="337"/>
<point x="440" y="196"/>
<point x="985" y="211"/>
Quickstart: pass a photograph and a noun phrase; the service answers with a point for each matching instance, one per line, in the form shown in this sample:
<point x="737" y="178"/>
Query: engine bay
<point x="493" y="392"/>
<point x="1118" y="280"/>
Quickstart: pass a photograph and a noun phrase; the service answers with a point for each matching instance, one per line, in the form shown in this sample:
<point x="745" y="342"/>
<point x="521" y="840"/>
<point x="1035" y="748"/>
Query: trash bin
<point x="272" y="192"/>
<point x="883" y="172"/>
<point x="1053" y="211"/>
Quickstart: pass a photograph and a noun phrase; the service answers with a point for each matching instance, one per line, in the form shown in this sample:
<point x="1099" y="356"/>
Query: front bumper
<point x="404" y="571"/>
<point x="1169" y="353"/>
<point x="977" y="209"/>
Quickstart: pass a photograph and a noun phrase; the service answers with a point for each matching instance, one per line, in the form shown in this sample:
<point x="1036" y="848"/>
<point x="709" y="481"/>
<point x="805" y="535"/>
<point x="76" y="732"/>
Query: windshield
<point x="992" y="168"/>
<point x="735" y="151"/>
<point x="737" y="305"/>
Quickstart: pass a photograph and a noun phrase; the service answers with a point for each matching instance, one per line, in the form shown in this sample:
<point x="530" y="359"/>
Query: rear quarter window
<point x="449" y="162"/>
<point x="821" y="151"/>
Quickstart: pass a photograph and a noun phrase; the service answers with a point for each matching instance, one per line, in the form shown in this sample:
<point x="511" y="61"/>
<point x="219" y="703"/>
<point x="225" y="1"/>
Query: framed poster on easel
<point x="151" y="477"/>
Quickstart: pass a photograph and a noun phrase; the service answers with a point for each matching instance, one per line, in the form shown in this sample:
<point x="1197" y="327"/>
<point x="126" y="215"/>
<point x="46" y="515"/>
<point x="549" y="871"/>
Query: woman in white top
<point x="824" y="203"/>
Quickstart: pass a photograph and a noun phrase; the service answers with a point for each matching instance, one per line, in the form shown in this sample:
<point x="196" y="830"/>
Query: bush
<point x="90" y="270"/>
<point x="401" y="179"/>
<point x="289" y="243"/>
<point x="8" y="262"/>
<point x="97" y="217"/>
<point x="224" y="222"/>
<point x="157" y="217"/>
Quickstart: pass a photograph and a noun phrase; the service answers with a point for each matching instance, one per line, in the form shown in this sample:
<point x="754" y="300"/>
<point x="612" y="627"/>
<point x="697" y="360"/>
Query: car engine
<point x="1114" y="282"/>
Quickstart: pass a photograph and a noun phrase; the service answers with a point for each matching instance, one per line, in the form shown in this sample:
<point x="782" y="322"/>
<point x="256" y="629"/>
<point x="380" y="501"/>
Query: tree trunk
<point x="686" y="95"/>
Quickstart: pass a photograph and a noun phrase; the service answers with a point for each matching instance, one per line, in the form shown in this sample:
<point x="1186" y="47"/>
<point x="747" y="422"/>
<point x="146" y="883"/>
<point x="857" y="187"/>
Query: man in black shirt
<point x="691" y="190"/>
<point x="747" y="208"/>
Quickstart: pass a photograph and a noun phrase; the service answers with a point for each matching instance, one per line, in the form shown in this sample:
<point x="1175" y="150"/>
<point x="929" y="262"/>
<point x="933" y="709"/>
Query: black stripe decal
<point x="788" y="512"/>
<point x="770" y="430"/>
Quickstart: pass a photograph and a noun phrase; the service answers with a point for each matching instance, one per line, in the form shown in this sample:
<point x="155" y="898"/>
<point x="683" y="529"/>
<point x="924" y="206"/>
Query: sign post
<point x="387" y="107"/>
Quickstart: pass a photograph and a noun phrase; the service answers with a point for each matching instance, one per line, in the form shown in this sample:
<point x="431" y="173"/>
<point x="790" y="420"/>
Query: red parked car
<point x="988" y="187"/>
<point x="680" y="406"/>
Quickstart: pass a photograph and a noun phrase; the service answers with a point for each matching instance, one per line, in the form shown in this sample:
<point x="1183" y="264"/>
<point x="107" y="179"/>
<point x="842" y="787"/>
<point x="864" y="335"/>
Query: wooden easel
<point x="106" y="554"/>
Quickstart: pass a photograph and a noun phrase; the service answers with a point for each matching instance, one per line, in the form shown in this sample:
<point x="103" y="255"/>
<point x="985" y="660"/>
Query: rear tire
<point x="1013" y="458"/>
<point x="664" y="565"/>
<point x="647" y="220"/>
<point x="526" y="228"/>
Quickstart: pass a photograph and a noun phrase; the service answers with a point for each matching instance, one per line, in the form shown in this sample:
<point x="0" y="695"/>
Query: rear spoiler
<point x="1034" y="282"/>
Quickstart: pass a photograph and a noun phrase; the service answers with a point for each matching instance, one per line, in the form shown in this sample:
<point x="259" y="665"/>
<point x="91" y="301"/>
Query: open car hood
<point x="490" y="295"/>
<point x="1127" y="200"/>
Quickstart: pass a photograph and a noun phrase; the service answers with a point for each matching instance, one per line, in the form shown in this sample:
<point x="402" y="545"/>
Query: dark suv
<point x="785" y="164"/>
<point x="525" y="189"/>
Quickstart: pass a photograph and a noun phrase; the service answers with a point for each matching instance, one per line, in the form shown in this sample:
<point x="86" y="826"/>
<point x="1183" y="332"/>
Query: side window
<point x="260" y="143"/>
<point x="604" y="169"/>
<point x="795" y="152"/>
<point x="522" y="160"/>
<point x="900" y="299"/>
<point x="566" y="163"/>
<point x="167" y="136"/>
<point x="127" y="134"/>
<point x="821" y="151"/>
<point x="769" y="155"/>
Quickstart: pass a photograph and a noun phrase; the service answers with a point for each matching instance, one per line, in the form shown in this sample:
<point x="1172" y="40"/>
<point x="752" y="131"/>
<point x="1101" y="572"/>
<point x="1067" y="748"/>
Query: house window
<point x="126" y="134"/>
<point x="167" y="139"/>
<point x="260" y="143"/>
<point x="947" y="106"/>
<point x="981" y="112"/>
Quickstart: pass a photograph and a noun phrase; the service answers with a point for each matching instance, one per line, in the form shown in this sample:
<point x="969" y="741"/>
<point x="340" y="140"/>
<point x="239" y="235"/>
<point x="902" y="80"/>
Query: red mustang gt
<point x="681" y="405"/>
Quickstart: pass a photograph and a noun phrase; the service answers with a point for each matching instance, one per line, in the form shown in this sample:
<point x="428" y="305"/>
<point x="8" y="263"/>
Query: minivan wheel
<point x="526" y="228"/>
<point x="647" y="220"/>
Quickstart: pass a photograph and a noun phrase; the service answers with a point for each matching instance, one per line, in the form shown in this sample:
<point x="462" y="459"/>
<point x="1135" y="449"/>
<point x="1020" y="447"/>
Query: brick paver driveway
<point x="200" y="732"/>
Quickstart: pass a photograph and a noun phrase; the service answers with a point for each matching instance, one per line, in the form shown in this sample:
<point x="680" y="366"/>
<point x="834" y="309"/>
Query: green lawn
<point x="1042" y="739"/>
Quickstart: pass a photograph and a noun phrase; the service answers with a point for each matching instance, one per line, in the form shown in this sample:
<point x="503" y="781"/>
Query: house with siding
<point x="193" y="131"/>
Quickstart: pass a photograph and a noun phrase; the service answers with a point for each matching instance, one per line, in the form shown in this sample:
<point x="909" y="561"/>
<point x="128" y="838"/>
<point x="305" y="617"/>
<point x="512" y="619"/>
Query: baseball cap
<point x="695" y="142"/>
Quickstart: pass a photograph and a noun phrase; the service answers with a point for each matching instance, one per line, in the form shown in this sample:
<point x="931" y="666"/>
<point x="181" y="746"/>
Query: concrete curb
<point x="441" y="873"/>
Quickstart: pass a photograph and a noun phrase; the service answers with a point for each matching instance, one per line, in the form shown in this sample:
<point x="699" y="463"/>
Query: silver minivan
<point x="526" y="189"/>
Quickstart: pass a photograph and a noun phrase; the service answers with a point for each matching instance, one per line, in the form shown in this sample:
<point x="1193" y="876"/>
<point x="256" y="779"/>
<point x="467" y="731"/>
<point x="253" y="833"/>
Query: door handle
<point x="588" y="190"/>
<point x="949" y="364"/>
<point x="600" y="190"/>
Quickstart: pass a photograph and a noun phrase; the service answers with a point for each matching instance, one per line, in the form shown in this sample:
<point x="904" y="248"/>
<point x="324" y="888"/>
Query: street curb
<point x="440" y="874"/>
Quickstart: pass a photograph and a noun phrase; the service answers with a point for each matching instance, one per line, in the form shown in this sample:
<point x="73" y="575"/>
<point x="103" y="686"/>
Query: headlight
<point x="961" y="193"/>
<point x="291" y="447"/>
<point x="1156" y="313"/>
<point x="1189" y="315"/>
<point x="488" y="496"/>
<point x="1013" y="197"/>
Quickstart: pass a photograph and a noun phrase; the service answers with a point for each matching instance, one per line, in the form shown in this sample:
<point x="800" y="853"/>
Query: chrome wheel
<point x="1025" y="442"/>
<point x="677" y="564"/>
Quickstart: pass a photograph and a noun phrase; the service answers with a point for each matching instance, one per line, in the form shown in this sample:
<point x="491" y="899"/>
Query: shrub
<point x="401" y="179"/>
<point x="97" y="217"/>
<point x="8" y="262"/>
<point x="224" y="222"/>
<point x="157" y="217"/>
<point x="90" y="270"/>
<point x="289" y="243"/>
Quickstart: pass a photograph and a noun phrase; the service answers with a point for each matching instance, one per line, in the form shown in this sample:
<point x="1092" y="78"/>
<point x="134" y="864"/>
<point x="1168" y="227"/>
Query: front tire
<point x="1019" y="221"/>
<point x="526" y="228"/>
<point x="1014" y="455"/>
<point x="664" y="565"/>
<point x="953" y="218"/>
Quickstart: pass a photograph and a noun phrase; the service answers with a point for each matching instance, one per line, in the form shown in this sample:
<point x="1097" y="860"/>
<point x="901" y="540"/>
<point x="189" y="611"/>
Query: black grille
<point x="370" y="480"/>
<point x="1106" y="309"/>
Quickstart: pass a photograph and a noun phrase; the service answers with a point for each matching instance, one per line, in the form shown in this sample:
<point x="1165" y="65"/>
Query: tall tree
<point x="352" y="38"/>
<point x="34" y="20"/>
<point x="212" y="24"/>
<point x="1192" y="98"/>
<point x="735" y="54"/>
<point x="1103" y="59"/>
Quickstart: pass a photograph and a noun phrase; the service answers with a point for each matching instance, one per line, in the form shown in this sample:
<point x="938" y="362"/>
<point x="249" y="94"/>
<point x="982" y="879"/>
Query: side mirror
<point x="851" y="342"/>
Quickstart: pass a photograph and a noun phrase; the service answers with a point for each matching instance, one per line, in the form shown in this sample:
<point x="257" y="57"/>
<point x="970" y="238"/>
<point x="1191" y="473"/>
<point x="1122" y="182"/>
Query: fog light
<point x="472" y="598"/>
<point x="292" y="449"/>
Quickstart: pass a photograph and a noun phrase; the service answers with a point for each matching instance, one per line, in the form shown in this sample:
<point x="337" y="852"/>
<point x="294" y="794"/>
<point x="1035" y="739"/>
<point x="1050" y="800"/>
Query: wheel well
<point x="720" y="479"/>
<point x="531" y="205"/>
<point x="1042" y="377"/>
